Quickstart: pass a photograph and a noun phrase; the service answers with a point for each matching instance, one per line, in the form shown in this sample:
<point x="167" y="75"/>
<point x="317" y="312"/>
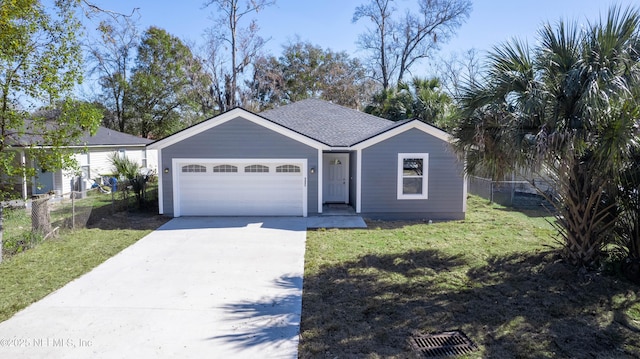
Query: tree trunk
<point x="233" y="24"/>
<point x="583" y="216"/>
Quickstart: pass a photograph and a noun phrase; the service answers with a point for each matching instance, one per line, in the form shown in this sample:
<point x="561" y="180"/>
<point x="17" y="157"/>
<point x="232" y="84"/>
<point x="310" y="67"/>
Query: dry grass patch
<point x="496" y="276"/>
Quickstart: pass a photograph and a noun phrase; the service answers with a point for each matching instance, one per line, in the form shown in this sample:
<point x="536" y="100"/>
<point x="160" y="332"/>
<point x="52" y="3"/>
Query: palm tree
<point x="421" y="99"/>
<point x="565" y="107"/>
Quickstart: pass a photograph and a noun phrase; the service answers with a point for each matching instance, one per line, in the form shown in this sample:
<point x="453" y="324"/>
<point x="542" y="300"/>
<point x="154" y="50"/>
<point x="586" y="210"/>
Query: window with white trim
<point x="256" y="169"/>
<point x="144" y="159"/>
<point x="288" y="169"/>
<point x="225" y="169"/>
<point x="413" y="170"/>
<point x="194" y="169"/>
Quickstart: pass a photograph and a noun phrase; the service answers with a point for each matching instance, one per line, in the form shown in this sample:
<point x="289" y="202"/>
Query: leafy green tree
<point x="567" y="107"/>
<point x="309" y="71"/>
<point x="40" y="64"/>
<point x="160" y="84"/>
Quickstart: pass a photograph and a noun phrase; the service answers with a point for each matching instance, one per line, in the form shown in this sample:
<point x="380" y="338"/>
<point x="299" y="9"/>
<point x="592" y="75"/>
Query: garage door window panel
<point x="225" y="169"/>
<point x="194" y="169"/>
<point x="288" y="169"/>
<point x="256" y="169"/>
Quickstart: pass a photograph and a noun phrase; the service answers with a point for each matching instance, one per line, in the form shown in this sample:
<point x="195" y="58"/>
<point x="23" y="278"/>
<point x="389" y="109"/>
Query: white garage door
<point x="240" y="187"/>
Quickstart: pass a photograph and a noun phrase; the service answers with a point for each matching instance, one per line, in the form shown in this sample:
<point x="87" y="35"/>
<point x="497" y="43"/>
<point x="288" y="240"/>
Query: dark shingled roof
<point x="102" y="137"/>
<point x="108" y="137"/>
<point x="328" y="123"/>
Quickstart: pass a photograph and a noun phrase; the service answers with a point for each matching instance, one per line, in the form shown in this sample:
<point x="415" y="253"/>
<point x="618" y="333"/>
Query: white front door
<point x="336" y="178"/>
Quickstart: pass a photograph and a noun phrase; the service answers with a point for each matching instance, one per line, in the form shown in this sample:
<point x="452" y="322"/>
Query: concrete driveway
<point x="194" y="288"/>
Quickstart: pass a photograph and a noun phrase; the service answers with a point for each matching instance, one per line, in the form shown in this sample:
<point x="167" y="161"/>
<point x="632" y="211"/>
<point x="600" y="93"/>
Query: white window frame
<point x="425" y="176"/>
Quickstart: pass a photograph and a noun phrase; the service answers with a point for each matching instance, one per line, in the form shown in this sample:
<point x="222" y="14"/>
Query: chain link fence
<point x="44" y="216"/>
<point x="517" y="194"/>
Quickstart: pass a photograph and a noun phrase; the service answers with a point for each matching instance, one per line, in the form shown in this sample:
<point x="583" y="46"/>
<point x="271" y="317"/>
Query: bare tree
<point x="459" y="70"/>
<point x="230" y="41"/>
<point x="112" y="59"/>
<point x="200" y="83"/>
<point x="396" y="43"/>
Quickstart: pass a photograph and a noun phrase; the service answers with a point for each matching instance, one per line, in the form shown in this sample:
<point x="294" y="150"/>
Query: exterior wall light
<point x="166" y="170"/>
<point x="312" y="170"/>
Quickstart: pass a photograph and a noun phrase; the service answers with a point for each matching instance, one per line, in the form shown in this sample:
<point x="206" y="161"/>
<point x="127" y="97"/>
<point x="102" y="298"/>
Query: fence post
<point x="73" y="210"/>
<point x="491" y="195"/>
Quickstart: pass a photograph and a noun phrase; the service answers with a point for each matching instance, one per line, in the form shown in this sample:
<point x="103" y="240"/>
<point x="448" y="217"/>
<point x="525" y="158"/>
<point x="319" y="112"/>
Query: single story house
<point x="293" y="160"/>
<point x="92" y="155"/>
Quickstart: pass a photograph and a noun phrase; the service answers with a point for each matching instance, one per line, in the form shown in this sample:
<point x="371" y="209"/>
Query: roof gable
<point x="328" y="123"/>
<point x="401" y="127"/>
<point x="316" y="123"/>
<point x="231" y="115"/>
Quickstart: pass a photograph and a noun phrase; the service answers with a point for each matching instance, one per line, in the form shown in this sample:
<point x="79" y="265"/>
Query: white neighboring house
<point x="92" y="155"/>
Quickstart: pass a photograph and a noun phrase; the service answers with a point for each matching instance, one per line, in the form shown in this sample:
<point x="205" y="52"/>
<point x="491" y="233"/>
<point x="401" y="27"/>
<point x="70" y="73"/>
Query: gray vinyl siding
<point x="379" y="179"/>
<point x="239" y="139"/>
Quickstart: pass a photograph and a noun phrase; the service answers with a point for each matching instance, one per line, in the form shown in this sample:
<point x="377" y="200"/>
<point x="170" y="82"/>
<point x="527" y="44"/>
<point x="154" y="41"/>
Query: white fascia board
<point x="338" y="149"/>
<point x="426" y="128"/>
<point x="142" y="146"/>
<point x="231" y="115"/>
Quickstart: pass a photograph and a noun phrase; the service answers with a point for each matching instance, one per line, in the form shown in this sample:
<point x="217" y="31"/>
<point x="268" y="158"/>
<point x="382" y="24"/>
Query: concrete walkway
<point x="195" y="288"/>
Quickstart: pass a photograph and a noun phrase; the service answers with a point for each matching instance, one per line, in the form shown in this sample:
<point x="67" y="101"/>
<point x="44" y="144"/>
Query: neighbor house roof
<point x="102" y="137"/>
<point x="108" y="137"/>
<point x="328" y="123"/>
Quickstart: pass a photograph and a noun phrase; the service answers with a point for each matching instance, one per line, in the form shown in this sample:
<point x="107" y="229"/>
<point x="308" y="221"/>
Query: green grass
<point x="496" y="275"/>
<point x="29" y="276"/>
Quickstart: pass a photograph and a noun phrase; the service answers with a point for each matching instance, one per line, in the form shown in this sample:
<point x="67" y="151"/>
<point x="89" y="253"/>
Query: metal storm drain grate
<point x="444" y="344"/>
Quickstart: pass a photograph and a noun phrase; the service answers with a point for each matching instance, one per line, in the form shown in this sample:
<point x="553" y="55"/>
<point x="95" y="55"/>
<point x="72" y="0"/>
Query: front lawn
<point x="29" y="276"/>
<point x="496" y="276"/>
